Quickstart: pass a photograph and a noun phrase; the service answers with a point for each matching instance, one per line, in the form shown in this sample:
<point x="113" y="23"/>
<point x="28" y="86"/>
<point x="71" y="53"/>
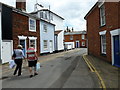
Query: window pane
<point x="102" y="15"/>
<point x="103" y="43"/>
<point x="32" y="24"/>
<point x="71" y="37"/>
<point x="32" y="42"/>
<point x="45" y="44"/>
<point x="45" y="27"/>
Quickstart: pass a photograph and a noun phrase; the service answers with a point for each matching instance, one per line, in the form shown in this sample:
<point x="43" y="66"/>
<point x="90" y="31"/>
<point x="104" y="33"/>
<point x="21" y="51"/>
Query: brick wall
<point x="93" y="29"/>
<point x="76" y="37"/>
<point x="21" y="27"/>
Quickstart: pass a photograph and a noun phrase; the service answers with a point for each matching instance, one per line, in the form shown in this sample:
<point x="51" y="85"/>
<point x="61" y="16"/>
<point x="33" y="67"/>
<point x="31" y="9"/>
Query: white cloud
<point x="73" y="11"/>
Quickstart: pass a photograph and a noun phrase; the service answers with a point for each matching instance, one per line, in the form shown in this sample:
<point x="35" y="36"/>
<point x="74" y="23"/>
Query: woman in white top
<point x="18" y="56"/>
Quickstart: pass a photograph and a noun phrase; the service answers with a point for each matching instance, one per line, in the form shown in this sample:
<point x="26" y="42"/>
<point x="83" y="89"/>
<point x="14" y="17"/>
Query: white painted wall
<point x="58" y="22"/>
<point x="69" y="45"/>
<point x="46" y="36"/>
<point x="7" y="50"/>
<point x="58" y="26"/>
<point x="60" y="41"/>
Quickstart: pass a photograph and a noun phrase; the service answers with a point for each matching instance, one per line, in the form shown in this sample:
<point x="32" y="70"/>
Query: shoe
<point x="35" y="74"/>
<point x="31" y="76"/>
<point x="19" y="75"/>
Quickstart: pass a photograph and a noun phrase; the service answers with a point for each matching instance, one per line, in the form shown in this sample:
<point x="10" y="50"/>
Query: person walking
<point x="18" y="57"/>
<point x="32" y="60"/>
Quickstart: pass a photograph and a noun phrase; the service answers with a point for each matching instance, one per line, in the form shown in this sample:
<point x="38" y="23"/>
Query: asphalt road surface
<point x="61" y="70"/>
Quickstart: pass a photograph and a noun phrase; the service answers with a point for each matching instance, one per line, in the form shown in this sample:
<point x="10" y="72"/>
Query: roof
<point x="91" y="10"/>
<point x="75" y="32"/>
<point x="47" y="10"/>
<point x="19" y="11"/>
<point x="57" y="32"/>
<point x="46" y="21"/>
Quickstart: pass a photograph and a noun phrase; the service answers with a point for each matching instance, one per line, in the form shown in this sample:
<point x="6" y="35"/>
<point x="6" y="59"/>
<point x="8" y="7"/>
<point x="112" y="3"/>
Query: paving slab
<point x="110" y="74"/>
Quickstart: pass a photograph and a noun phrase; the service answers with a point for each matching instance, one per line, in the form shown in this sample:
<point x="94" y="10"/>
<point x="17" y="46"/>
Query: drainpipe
<point x="0" y="33"/>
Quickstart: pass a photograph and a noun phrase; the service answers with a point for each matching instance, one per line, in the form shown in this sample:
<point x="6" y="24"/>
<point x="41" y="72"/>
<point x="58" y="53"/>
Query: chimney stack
<point x="21" y="5"/>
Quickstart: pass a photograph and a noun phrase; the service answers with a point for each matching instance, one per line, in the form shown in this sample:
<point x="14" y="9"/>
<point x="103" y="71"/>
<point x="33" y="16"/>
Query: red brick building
<point x="103" y="31"/>
<point x="25" y="28"/>
<point x="78" y="37"/>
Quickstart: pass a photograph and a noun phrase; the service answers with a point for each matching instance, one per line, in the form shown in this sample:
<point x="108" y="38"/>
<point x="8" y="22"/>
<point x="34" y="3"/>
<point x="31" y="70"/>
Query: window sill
<point x="102" y="54"/>
<point x="102" y="26"/>
<point x="32" y="30"/>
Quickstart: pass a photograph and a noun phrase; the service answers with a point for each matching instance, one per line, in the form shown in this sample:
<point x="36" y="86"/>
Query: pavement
<point x="109" y="74"/>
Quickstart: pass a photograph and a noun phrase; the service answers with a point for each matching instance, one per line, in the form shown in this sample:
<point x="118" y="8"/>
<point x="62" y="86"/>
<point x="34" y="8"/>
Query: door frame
<point x="23" y="38"/>
<point x="114" y="33"/>
<point x="78" y="44"/>
<point x="51" y="46"/>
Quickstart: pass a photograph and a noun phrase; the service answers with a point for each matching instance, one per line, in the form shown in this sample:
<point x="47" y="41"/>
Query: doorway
<point x="77" y="44"/>
<point x="116" y="47"/>
<point x="23" y="43"/>
<point x="51" y="46"/>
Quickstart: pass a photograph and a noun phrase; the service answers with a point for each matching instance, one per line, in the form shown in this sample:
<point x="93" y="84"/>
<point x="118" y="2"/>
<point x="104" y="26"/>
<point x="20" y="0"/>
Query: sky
<point x="73" y="11"/>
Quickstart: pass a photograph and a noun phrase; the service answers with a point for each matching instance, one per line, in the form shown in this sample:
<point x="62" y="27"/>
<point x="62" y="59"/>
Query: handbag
<point x="37" y="66"/>
<point x="11" y="64"/>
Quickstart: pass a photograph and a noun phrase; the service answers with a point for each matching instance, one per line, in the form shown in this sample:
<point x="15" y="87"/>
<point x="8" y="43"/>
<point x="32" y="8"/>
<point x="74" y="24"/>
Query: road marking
<point x="93" y="69"/>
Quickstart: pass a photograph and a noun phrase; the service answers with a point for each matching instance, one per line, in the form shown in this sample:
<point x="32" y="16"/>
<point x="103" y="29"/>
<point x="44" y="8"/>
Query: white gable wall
<point x="58" y="22"/>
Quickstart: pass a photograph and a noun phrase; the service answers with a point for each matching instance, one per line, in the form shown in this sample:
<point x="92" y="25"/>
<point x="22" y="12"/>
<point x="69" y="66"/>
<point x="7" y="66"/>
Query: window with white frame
<point x="33" y="41"/>
<point x="71" y="37"/>
<point x="41" y="14"/>
<point x="51" y="16"/>
<point x="45" y="44"/>
<point x="45" y="28"/>
<point x="103" y="44"/>
<point x="83" y="43"/>
<point x="102" y="15"/>
<point x="32" y="25"/>
<point x="83" y="36"/>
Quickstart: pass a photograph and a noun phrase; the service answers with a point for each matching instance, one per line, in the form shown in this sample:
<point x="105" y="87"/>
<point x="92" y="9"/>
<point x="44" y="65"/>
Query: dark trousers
<point x="18" y="67"/>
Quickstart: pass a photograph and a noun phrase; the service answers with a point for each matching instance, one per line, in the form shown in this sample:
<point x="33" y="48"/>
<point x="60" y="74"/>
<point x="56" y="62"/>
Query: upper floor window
<point x="32" y="25"/>
<point x="44" y="14"/>
<point x="83" y="36"/>
<point x="102" y="15"/>
<point x="45" y="28"/>
<point x="51" y="16"/>
<point x="41" y="14"/>
<point x="71" y="37"/>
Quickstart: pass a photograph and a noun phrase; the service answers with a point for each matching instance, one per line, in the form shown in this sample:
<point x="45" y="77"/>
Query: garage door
<point x="7" y="48"/>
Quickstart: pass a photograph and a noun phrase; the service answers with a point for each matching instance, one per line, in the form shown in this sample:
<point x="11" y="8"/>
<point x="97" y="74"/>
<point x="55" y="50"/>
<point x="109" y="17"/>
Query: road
<point x="61" y="70"/>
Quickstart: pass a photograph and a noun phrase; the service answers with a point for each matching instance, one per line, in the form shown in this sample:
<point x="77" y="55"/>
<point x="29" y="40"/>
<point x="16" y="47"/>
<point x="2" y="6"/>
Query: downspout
<point x="0" y="39"/>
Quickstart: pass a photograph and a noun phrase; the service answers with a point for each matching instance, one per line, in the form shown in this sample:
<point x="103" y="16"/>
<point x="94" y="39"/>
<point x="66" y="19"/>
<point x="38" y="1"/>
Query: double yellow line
<point x="93" y="69"/>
